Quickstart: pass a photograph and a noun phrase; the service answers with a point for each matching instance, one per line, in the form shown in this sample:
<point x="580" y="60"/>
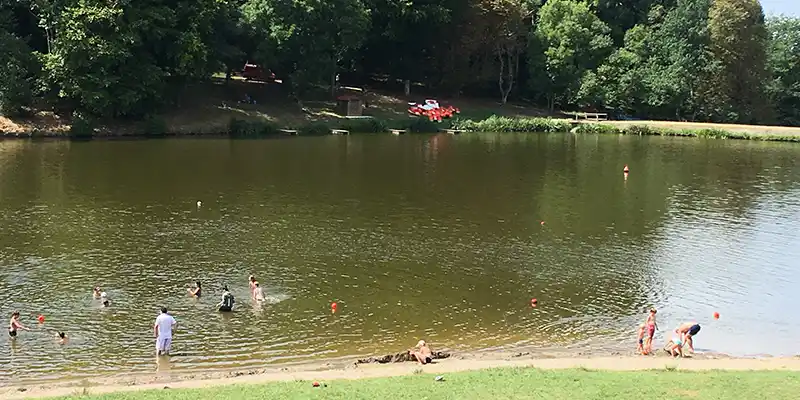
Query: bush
<point x="82" y="126"/>
<point x="155" y="126"/>
<point x="597" y="129"/>
<point x="641" y="130"/>
<point x="314" y="128"/>
<point x="368" y="125"/>
<point x="242" y="128"/>
<point x="423" y="125"/>
<point x="505" y="124"/>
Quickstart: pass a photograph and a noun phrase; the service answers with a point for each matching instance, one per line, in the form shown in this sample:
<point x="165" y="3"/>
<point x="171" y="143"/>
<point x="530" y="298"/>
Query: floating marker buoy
<point x="625" y="169"/>
<point x="41" y="319"/>
<point x="333" y="307"/>
<point x="199" y="203"/>
<point x="534" y="302"/>
<point x="541" y="223"/>
<point x="716" y="315"/>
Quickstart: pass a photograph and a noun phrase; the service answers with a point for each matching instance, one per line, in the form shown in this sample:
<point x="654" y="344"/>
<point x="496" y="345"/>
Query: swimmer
<point x="258" y="293"/>
<point x="106" y="303"/>
<point x="226" y="305"/>
<point x="62" y="337"/>
<point x="640" y="340"/>
<point x="422" y="353"/>
<point x="253" y="284"/>
<point x="651" y="325"/>
<point x="14" y="325"/>
<point x="197" y="291"/>
<point x="686" y="333"/>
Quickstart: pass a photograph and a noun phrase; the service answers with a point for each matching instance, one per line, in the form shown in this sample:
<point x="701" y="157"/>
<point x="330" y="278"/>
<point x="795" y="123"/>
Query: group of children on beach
<point x="684" y="335"/>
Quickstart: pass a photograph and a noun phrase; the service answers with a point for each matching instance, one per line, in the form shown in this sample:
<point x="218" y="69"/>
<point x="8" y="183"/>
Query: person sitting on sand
<point x="422" y="353"/>
<point x="686" y="333"/>
<point x="226" y="305"/>
<point x="640" y="338"/>
<point x="197" y="291"/>
<point x="674" y="347"/>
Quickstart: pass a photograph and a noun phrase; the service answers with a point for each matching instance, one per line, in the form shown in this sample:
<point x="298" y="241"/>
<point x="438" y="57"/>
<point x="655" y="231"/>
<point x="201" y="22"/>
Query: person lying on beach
<point x="640" y="340"/>
<point x="651" y="325"/>
<point x="422" y="353"/>
<point x="686" y="333"/>
<point x="197" y="291"/>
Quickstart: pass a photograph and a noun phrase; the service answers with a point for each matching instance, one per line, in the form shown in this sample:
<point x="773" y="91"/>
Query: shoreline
<point x="255" y="128"/>
<point x="349" y="370"/>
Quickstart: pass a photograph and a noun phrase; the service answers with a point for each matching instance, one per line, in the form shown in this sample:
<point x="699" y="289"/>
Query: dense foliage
<point x="707" y="60"/>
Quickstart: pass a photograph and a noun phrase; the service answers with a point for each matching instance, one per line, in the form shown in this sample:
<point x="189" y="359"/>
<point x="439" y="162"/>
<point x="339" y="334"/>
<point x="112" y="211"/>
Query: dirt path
<point x="618" y="363"/>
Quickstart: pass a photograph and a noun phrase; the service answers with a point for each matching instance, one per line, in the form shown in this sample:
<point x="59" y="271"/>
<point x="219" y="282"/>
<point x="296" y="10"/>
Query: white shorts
<point x="163" y="344"/>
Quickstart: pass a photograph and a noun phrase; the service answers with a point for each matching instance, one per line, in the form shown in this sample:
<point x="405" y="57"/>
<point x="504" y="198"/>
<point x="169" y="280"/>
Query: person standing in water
<point x="162" y="330"/>
<point x="258" y="293"/>
<point x="651" y="325"/>
<point x="253" y="285"/>
<point x="14" y="325"/>
<point x="196" y="292"/>
<point x="226" y="305"/>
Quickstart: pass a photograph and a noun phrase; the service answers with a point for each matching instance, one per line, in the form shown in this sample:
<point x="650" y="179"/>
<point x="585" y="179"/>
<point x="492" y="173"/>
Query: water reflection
<point x="413" y="236"/>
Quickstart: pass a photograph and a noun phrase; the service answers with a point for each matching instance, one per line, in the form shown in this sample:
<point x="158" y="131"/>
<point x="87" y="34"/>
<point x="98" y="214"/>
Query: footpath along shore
<point x="328" y="373"/>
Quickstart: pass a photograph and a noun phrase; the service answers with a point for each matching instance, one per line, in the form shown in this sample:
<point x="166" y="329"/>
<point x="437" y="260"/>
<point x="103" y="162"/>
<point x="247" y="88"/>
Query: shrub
<point x="369" y="125"/>
<point x="597" y="129"/>
<point x="251" y="128"/>
<point x="314" y="128"/>
<point x="505" y="124"/>
<point x="82" y="126"/>
<point x="155" y="126"/>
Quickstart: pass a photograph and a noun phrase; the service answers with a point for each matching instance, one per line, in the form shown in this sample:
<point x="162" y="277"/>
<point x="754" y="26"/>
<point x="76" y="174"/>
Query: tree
<point x="19" y="70"/>
<point x="783" y="60"/>
<point x="738" y="41"/>
<point x="573" y="41"/>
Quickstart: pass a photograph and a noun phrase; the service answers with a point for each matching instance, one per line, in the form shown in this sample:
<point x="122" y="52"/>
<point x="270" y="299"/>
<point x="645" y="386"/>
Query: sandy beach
<point x="329" y="372"/>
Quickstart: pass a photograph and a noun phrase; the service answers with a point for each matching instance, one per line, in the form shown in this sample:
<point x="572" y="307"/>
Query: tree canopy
<point x="705" y="60"/>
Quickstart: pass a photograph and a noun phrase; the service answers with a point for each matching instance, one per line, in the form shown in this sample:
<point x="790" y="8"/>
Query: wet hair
<point x="252" y="278"/>
<point x="163" y="310"/>
<point x="106" y="303"/>
<point x="225" y="288"/>
<point x="257" y="284"/>
<point x="198" y="283"/>
<point x="653" y="310"/>
<point x="62" y="335"/>
<point x="15" y="314"/>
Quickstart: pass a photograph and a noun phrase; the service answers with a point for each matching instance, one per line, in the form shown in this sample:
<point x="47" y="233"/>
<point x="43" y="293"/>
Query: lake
<point x="443" y="237"/>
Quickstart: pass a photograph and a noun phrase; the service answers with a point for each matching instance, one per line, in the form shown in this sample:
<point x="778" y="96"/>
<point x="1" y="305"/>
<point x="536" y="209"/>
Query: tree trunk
<point x="333" y="83"/>
<point x="407" y="87"/>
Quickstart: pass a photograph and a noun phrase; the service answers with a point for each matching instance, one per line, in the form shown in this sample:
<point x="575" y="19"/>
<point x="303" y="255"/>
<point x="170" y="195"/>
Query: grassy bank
<point x="215" y="109"/>
<point x="509" y="383"/>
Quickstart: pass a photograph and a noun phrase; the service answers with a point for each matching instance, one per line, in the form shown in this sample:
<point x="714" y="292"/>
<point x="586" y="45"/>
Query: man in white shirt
<point x="162" y="330"/>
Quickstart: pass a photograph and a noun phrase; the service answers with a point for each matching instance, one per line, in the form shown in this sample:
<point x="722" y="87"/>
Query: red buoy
<point x="716" y="315"/>
<point x="41" y="319"/>
<point x="534" y="302"/>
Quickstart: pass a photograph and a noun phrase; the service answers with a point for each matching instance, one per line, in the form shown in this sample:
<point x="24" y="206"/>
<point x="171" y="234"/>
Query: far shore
<point x="349" y="371"/>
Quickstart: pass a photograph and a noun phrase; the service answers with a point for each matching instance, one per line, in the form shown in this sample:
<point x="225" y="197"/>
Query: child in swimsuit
<point x="651" y="330"/>
<point x="640" y="345"/>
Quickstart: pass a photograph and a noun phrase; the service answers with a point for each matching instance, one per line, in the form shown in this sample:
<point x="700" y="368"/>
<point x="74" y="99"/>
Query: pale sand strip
<point x="621" y="363"/>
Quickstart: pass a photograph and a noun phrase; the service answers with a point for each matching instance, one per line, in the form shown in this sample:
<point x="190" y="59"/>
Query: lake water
<point x="415" y="236"/>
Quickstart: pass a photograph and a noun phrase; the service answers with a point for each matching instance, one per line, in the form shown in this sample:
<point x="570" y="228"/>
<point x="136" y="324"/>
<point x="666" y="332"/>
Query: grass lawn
<point x="510" y="383"/>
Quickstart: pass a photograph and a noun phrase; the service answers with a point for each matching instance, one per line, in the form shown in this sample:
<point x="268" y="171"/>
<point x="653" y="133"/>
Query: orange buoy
<point x="534" y="302"/>
<point x="41" y="319"/>
<point x="541" y="223"/>
<point x="716" y="315"/>
<point x="625" y="169"/>
<point x="333" y="307"/>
